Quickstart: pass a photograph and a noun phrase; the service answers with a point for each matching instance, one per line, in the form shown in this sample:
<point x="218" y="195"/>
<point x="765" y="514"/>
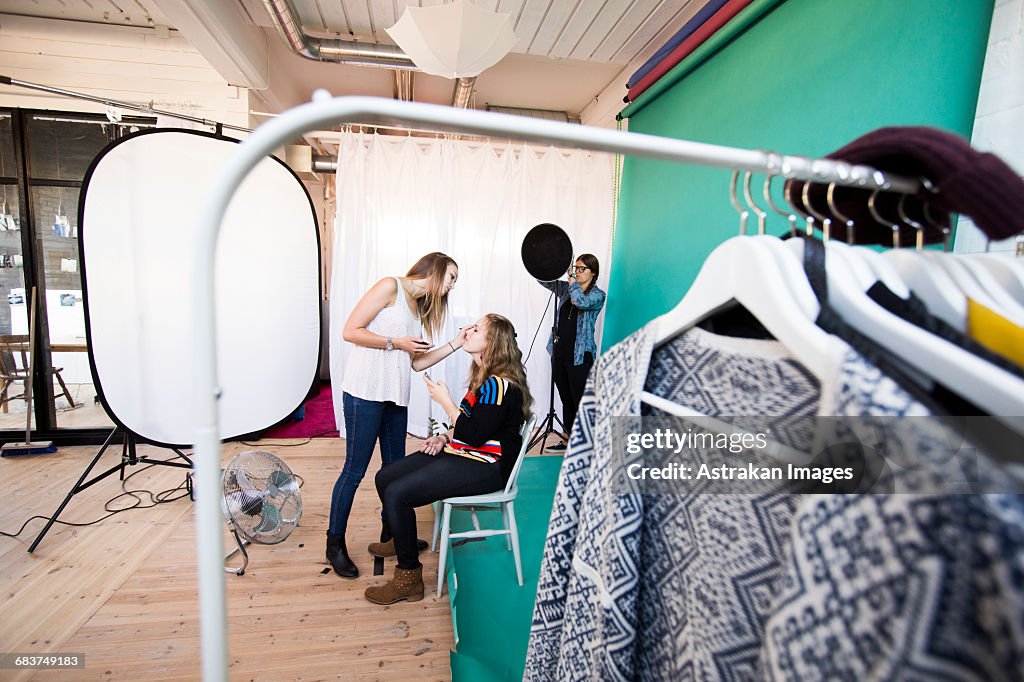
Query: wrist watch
<point x="388" y="344"/>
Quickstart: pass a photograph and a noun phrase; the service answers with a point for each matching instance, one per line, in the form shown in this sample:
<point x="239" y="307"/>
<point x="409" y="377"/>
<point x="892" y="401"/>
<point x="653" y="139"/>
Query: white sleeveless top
<point x="378" y="374"/>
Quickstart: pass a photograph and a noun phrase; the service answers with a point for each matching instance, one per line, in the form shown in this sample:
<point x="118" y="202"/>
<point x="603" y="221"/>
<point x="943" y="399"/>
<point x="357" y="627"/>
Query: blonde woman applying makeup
<point x="385" y="328"/>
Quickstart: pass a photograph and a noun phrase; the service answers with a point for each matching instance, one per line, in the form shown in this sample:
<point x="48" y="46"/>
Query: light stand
<point x="128" y="457"/>
<point x="547" y="426"/>
<point x="547" y="254"/>
<point x="140" y="354"/>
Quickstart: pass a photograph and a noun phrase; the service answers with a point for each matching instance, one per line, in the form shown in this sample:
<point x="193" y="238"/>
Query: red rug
<point x="317" y="423"/>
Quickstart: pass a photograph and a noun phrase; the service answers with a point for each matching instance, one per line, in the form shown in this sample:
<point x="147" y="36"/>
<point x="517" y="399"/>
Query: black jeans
<point x="420" y="479"/>
<point x="570" y="380"/>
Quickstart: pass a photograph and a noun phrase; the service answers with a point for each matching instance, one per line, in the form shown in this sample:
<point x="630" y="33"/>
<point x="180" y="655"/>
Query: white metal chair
<point x="503" y="498"/>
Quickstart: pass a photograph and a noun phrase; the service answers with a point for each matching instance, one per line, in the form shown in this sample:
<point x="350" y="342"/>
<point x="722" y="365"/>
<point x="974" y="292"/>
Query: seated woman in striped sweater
<point x="476" y="456"/>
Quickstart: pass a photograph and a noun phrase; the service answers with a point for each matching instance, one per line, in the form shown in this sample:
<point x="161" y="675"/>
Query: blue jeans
<point x="366" y="422"/>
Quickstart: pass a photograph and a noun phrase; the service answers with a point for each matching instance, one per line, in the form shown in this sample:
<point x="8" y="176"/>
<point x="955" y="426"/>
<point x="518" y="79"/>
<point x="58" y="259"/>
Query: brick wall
<point x="46" y="201"/>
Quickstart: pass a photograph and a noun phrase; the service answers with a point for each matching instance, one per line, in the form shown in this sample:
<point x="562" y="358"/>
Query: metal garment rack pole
<point x="324" y="111"/>
<point x="7" y="80"/>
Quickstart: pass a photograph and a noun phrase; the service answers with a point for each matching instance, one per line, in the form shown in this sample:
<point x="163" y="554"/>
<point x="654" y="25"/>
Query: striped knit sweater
<point x="487" y="428"/>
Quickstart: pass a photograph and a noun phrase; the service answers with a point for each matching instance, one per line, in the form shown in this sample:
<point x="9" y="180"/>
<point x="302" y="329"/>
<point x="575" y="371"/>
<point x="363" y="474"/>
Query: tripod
<point x="547" y="426"/>
<point x="128" y="456"/>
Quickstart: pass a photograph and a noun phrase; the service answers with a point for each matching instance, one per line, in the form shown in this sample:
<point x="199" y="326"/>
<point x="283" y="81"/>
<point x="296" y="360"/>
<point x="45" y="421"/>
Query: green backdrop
<point x="803" y="77"/>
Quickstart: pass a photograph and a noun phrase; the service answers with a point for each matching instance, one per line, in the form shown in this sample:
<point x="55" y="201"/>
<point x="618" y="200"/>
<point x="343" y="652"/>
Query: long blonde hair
<point x="433" y="307"/>
<point x="502" y="358"/>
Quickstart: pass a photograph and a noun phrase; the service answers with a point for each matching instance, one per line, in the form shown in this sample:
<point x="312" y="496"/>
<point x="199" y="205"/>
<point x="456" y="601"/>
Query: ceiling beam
<point x="225" y="37"/>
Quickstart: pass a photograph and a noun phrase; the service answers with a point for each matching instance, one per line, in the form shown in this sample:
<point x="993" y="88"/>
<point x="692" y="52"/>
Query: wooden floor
<point x="86" y="413"/>
<point x="124" y="591"/>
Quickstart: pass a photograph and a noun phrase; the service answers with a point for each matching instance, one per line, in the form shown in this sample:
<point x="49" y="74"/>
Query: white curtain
<point x="400" y="198"/>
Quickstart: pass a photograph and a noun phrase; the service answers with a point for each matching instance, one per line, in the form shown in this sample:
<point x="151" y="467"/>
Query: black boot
<point x="385" y="535"/>
<point x="337" y="556"/>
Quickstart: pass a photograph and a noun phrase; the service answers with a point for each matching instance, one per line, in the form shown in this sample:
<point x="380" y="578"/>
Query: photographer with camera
<point x="573" y="347"/>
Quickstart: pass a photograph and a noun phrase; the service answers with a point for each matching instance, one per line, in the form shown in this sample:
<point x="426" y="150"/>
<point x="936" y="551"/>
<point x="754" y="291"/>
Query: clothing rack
<point x="327" y="111"/>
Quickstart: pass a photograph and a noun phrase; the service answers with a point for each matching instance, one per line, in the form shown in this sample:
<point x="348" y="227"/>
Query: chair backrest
<point x="525" y="432"/>
<point x="14" y="356"/>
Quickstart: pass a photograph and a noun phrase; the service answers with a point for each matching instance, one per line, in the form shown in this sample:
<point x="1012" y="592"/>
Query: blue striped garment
<point x="589" y="304"/>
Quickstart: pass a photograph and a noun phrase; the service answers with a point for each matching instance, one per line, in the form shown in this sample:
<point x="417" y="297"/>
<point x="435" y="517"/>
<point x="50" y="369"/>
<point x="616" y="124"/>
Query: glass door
<point x="61" y="147"/>
<point x="44" y="156"/>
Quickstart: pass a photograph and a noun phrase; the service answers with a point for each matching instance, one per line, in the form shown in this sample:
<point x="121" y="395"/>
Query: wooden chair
<point x="14" y="368"/>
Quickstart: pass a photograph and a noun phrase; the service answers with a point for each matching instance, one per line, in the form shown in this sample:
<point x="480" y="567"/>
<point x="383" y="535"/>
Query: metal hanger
<point x="868" y="264"/>
<point x="918" y="227"/>
<point x="793" y="276"/>
<point x="943" y="226"/>
<point x="858" y="273"/>
<point x="824" y="219"/>
<point x="873" y="210"/>
<point x="758" y="211"/>
<point x="809" y="220"/>
<point x="789" y="216"/>
<point x="834" y="210"/>
<point x="734" y="200"/>
<point x="931" y="284"/>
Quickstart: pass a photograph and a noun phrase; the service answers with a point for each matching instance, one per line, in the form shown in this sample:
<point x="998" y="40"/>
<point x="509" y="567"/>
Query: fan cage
<point x="261" y="497"/>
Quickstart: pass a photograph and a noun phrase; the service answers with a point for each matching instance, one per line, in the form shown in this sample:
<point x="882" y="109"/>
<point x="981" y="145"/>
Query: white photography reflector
<point x="138" y="217"/>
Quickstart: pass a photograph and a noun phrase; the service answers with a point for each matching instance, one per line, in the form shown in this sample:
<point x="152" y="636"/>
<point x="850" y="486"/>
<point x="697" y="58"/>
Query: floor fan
<point x="261" y="502"/>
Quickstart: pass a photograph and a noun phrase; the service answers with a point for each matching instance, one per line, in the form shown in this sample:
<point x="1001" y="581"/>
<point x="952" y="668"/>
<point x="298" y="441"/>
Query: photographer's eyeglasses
<point x="579" y="268"/>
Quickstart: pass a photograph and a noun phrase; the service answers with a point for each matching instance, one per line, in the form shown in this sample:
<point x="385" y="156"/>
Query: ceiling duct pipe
<point x="325" y="164"/>
<point x="286" y="21"/>
<point x="403" y="85"/>
<point x="463" y="92"/>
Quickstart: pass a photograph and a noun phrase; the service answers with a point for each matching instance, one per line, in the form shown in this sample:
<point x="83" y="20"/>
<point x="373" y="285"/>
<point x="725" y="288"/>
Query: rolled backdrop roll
<point x="139" y="211"/>
<point x="547" y="252"/>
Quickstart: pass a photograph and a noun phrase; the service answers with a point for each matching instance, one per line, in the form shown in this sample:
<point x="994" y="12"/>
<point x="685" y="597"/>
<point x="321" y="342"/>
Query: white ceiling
<point x="568" y="52"/>
<point x="602" y="31"/>
<point x="122" y="12"/>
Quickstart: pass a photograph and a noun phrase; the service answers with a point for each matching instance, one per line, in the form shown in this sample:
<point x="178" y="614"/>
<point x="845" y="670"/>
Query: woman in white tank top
<point x="385" y="329"/>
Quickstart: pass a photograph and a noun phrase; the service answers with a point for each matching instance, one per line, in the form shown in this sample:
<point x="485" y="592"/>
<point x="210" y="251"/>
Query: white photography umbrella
<point x="458" y="40"/>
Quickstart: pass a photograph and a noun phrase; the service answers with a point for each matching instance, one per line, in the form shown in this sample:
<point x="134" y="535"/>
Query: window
<point x="39" y="252"/>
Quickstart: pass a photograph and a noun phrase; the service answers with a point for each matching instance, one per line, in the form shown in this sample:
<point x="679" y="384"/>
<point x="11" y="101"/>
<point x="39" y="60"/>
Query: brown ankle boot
<point x="382" y="549"/>
<point x="407" y="584"/>
<point x="387" y="549"/>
